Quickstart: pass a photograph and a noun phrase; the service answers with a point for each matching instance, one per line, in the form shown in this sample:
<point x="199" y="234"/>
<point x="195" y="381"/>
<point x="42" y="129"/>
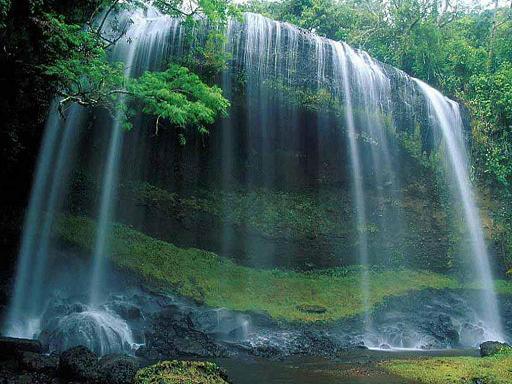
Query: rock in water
<point x="118" y="369"/>
<point x="172" y="372"/>
<point x="490" y="348"/>
<point x="79" y="363"/>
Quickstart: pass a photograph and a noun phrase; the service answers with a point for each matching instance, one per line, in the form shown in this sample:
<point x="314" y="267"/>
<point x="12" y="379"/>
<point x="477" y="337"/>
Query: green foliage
<point x="205" y="54"/>
<point x="275" y="214"/>
<point x="491" y="102"/>
<point x="177" y="372"/>
<point x="76" y="65"/>
<point x="218" y="282"/>
<point x="5" y="6"/>
<point x="216" y="11"/>
<point x="320" y="100"/>
<point x="456" y="370"/>
<point x="79" y="69"/>
<point x="179" y="96"/>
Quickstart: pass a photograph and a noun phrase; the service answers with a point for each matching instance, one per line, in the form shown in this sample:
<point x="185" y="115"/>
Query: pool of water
<point x="351" y="367"/>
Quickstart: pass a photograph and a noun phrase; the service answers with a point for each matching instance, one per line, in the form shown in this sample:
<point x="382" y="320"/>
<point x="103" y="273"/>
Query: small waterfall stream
<point x="446" y="114"/>
<point x="274" y="58"/>
<point x="341" y="66"/>
<point x="101" y="330"/>
<point x="145" y="39"/>
<point x="46" y="198"/>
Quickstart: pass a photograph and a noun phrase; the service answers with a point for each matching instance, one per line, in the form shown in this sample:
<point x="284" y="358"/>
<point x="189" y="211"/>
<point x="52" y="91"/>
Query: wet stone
<point x="9" y="346"/>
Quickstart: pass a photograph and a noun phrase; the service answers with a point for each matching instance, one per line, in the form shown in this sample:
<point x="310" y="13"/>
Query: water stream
<point x="446" y="114"/>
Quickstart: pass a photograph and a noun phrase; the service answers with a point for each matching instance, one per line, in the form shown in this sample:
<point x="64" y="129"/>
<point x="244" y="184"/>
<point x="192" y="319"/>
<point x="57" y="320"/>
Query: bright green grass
<point x="454" y="370"/>
<point x="219" y="282"/>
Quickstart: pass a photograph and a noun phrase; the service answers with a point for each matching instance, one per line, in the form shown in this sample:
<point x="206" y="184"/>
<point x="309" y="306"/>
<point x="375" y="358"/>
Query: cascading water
<point x="268" y="60"/>
<point x="49" y="187"/>
<point x="445" y="113"/>
<point x="341" y="66"/>
<point x="364" y="86"/>
<point x="101" y="330"/>
<point x="147" y="38"/>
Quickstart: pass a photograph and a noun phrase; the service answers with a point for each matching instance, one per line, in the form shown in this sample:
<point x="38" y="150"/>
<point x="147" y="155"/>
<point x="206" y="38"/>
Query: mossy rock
<point x="220" y="283"/>
<point x="178" y="372"/>
<point x="491" y="348"/>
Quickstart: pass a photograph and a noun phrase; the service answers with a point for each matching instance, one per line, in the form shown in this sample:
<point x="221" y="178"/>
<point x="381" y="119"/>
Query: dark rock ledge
<point x="25" y="361"/>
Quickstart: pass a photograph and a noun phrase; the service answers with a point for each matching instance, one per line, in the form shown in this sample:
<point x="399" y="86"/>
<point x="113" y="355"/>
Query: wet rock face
<point x="490" y="348"/>
<point x="11" y="345"/>
<point x="38" y="362"/>
<point x="23" y="361"/>
<point x="443" y="329"/>
<point x="430" y="319"/>
<point x="306" y="308"/>
<point x="170" y="327"/>
<point x="172" y="333"/>
<point x="76" y="365"/>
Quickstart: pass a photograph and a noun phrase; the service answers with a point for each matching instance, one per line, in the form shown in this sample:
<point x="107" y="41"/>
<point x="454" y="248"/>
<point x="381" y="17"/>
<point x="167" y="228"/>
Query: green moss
<point x="320" y="100"/>
<point x="276" y="214"/>
<point x="219" y="282"/>
<point x="503" y="287"/>
<point x="178" y="372"/>
<point x="457" y="370"/>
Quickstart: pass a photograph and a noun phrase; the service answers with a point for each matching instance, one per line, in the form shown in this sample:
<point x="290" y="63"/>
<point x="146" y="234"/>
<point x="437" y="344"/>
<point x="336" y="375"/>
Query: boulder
<point x="117" y="369"/>
<point x="490" y="348"/>
<point x="172" y="333"/>
<point x="79" y="363"/>
<point x="10" y="346"/>
<point x="126" y="310"/>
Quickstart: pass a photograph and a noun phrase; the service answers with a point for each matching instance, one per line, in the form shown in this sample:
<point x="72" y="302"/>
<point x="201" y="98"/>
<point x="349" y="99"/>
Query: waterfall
<point x="354" y="145"/>
<point x="147" y="38"/>
<point x="276" y="50"/>
<point x="445" y="113"/>
<point x="341" y="66"/>
<point x="50" y="183"/>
